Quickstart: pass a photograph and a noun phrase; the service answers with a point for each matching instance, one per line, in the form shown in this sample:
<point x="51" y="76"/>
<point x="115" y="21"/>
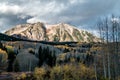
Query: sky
<point x="80" y="13"/>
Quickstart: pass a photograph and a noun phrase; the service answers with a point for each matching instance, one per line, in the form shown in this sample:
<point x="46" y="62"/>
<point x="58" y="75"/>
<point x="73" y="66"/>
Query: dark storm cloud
<point x="76" y="12"/>
<point x="10" y="21"/>
<point x="88" y="11"/>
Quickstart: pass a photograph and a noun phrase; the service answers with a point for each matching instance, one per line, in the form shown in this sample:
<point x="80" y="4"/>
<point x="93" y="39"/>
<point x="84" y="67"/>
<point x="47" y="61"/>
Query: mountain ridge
<point x="59" y="32"/>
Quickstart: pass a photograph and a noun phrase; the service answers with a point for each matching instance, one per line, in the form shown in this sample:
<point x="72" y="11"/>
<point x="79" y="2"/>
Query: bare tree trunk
<point x="107" y="41"/>
<point x="104" y="65"/>
<point x="116" y="48"/>
<point x="101" y="32"/>
<point x="114" y="45"/>
<point x="95" y="66"/>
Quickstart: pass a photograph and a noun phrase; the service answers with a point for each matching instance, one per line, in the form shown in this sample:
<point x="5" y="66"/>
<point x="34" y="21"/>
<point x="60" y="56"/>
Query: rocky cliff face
<point x="59" y="32"/>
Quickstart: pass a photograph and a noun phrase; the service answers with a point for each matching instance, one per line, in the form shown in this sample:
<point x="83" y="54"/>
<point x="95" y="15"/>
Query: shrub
<point x="11" y="57"/>
<point x="23" y="76"/>
<point x="65" y="72"/>
<point x="56" y="73"/>
<point x="10" y="49"/>
<point x="72" y="72"/>
<point x="3" y="59"/>
<point x="39" y="73"/>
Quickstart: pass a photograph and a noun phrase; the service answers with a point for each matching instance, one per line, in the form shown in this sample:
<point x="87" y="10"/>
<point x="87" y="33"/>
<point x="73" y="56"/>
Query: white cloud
<point x="41" y="9"/>
<point x="33" y="20"/>
<point x="77" y="1"/>
<point x="10" y="9"/>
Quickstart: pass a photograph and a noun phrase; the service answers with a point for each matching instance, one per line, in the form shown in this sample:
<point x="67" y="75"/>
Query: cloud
<point x="33" y="20"/>
<point x="10" y="9"/>
<point x="74" y="12"/>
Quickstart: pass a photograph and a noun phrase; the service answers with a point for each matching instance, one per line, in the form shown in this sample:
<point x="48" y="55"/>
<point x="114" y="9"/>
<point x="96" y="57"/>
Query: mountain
<point x="59" y="32"/>
<point x="35" y="31"/>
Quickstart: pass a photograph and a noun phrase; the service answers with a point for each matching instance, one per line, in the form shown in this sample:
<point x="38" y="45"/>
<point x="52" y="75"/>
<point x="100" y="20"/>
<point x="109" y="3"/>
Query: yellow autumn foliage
<point x="39" y="73"/>
<point x="66" y="72"/>
<point x="3" y="60"/>
<point x="3" y="55"/>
